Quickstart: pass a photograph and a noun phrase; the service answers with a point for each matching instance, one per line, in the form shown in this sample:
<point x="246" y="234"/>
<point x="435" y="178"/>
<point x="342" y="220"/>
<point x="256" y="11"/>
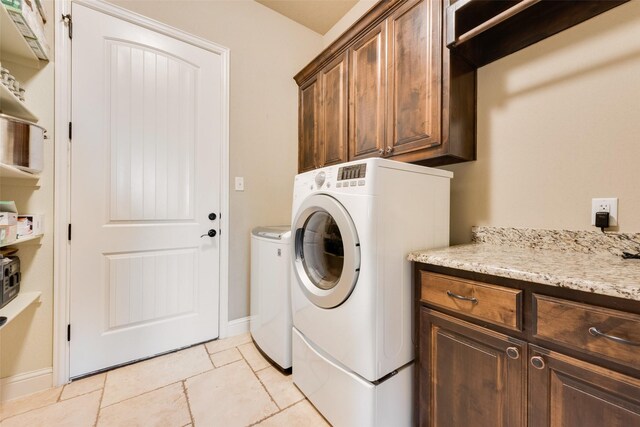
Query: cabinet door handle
<point x="389" y="150"/>
<point x="596" y="333"/>
<point x="537" y="362"/>
<point x="462" y="297"/>
<point x="381" y="151"/>
<point x="513" y="353"/>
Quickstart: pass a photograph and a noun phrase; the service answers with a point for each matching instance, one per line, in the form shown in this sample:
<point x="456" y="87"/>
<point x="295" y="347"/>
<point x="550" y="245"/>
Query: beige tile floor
<point x="220" y="383"/>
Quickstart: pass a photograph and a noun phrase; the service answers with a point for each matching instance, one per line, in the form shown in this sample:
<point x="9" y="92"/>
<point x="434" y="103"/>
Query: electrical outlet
<point x="605" y="205"/>
<point x="239" y="183"/>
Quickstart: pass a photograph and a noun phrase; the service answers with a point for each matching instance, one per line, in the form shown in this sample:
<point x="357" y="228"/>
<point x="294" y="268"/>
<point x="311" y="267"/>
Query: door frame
<point x="62" y="177"/>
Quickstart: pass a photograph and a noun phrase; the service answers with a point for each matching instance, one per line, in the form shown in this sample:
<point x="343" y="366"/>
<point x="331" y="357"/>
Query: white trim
<point x="26" y="383"/>
<point x="238" y="326"/>
<point x="62" y="163"/>
<point x="223" y="309"/>
<point x="153" y="25"/>
<point x="61" y="195"/>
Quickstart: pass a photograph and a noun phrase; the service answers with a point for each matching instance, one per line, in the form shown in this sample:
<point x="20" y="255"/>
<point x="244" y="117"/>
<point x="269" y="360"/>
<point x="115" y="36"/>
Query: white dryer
<point x="270" y="320"/>
<point x="353" y="225"/>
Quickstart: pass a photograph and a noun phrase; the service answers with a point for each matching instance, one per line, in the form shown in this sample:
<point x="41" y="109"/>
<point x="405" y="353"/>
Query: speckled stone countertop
<point x="519" y="254"/>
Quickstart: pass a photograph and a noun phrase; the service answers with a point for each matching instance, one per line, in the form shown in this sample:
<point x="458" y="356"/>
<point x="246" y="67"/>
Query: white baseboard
<point x="24" y="384"/>
<point x="238" y="326"/>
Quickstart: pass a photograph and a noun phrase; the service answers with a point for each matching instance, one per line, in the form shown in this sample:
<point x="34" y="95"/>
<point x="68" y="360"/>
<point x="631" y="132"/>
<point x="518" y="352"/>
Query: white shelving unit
<point x="22" y="240"/>
<point x="18" y="305"/>
<point x="19" y="58"/>
<point x="11" y="105"/>
<point x="13" y="47"/>
<point x="7" y="171"/>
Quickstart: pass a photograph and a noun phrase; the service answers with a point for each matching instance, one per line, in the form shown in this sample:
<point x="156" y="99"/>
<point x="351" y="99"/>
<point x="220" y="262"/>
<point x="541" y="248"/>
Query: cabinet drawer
<point x="494" y="304"/>
<point x="611" y="334"/>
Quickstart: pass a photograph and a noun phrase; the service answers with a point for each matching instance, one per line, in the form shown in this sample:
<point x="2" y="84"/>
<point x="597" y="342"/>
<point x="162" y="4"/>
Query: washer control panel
<point x="352" y="172"/>
<point x="352" y="176"/>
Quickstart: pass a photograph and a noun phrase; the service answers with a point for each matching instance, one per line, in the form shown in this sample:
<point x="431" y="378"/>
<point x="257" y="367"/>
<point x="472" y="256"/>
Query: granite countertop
<point x="594" y="268"/>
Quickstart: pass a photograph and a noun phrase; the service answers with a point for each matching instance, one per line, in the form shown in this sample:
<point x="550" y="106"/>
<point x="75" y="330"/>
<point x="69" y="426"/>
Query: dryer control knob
<point x="320" y="177"/>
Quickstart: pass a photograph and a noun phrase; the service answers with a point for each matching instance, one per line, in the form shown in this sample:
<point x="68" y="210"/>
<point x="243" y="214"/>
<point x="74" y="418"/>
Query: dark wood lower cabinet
<point x="566" y="392"/>
<point x="477" y="373"/>
<point x="469" y="376"/>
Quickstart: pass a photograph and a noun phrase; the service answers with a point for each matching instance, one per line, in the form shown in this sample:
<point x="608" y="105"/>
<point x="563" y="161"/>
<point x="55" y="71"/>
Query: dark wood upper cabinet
<point x="367" y="83"/>
<point x="409" y="99"/>
<point x="483" y="31"/>
<point x="308" y="121"/>
<point x="334" y="112"/>
<point x="414" y="83"/>
<point x="411" y="75"/>
<point x="566" y="392"/>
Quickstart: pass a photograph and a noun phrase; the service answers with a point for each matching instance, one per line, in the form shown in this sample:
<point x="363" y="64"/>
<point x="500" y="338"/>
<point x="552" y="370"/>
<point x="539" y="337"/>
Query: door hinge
<point x="70" y="130"/>
<point x="69" y="332"/>
<point x="67" y="18"/>
<point x="69" y="233"/>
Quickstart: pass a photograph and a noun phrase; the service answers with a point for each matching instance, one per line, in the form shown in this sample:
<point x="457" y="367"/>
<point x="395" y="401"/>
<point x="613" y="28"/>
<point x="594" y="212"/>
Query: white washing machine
<point x="352" y="292"/>
<point x="270" y="321"/>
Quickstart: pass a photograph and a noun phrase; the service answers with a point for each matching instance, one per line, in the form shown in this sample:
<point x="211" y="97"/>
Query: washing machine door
<point x="326" y="256"/>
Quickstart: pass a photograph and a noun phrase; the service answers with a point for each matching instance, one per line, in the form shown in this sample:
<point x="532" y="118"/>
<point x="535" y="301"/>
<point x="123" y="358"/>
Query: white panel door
<point x="145" y="168"/>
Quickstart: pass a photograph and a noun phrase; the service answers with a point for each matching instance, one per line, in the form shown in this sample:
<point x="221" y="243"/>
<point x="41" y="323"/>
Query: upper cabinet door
<point x="308" y="126"/>
<point x="415" y="64"/>
<point x="367" y="81"/>
<point x="333" y="128"/>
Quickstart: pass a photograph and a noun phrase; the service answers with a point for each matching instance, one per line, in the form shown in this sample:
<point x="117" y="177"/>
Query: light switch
<point x="239" y="183"/>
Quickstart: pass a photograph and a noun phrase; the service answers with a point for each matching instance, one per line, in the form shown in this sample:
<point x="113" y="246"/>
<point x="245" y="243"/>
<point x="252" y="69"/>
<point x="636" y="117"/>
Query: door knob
<point x="212" y="216"/>
<point x="210" y="233"/>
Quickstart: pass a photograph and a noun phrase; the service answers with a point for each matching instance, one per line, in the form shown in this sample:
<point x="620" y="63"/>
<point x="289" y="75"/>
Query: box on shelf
<point x="30" y="225"/>
<point x="39" y="48"/>
<point x="8" y="234"/>
<point x="8" y="222"/>
<point x="30" y="24"/>
<point x="41" y="10"/>
<point x="8" y="218"/>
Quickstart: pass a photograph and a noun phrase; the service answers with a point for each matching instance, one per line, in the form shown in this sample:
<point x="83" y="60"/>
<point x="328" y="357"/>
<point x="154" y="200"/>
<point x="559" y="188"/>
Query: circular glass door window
<point x="322" y="250"/>
<point x="326" y="255"/>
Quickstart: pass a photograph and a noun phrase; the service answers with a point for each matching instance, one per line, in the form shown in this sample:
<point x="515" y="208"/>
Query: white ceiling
<point x="317" y="15"/>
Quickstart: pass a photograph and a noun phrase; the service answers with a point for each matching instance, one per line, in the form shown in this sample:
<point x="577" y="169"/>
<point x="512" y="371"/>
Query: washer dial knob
<point x="320" y="177"/>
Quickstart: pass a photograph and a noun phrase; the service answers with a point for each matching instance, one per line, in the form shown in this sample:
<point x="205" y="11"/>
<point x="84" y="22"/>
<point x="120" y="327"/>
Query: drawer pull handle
<point x="537" y="362"/>
<point x="513" y="353"/>
<point x="472" y="299"/>
<point x="596" y="333"/>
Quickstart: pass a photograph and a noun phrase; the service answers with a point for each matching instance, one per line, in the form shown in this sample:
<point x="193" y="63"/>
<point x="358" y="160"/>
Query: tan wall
<point x="27" y="342"/>
<point x="267" y="49"/>
<point x="558" y="124"/>
<point x="347" y="20"/>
